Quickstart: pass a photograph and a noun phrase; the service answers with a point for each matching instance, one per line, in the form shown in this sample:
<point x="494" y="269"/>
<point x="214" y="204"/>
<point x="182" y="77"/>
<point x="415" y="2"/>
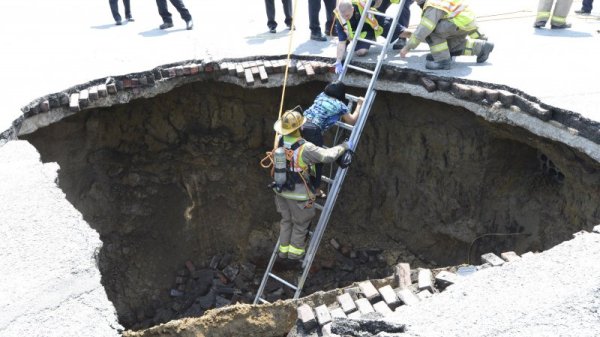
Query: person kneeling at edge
<point x="445" y="25"/>
<point x="327" y="108"/>
<point x="295" y="203"/>
<point x="348" y="15"/>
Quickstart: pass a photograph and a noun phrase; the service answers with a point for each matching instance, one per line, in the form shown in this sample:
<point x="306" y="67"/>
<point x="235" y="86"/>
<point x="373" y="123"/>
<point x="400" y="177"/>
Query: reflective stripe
<point x="474" y="35"/>
<point x="427" y="23"/>
<point x="284" y="249"/>
<point x="559" y="19"/>
<point x="413" y="42"/>
<point x="438" y="48"/>
<point x="542" y="16"/>
<point x="294" y="196"/>
<point x="295" y="250"/>
<point x="469" y="47"/>
<point x="370" y="19"/>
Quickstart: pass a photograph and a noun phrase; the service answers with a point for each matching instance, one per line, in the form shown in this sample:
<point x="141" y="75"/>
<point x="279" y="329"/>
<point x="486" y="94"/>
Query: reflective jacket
<point x="371" y="20"/>
<point x="456" y="11"/>
<point x="301" y="159"/>
<point x="434" y="11"/>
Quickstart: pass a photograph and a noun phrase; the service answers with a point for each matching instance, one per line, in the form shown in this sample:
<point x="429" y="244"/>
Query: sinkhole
<point x="174" y="187"/>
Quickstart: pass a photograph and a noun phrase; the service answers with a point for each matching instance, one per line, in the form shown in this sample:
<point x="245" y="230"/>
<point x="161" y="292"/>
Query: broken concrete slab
<point x="322" y="314"/>
<point x="402" y="275"/>
<point x="407" y="297"/>
<point x="364" y="306"/>
<point x="368" y="290"/>
<point x="425" y="279"/>
<point x="492" y="259"/>
<point x="389" y="296"/>
<point x="307" y="317"/>
<point x="510" y="256"/>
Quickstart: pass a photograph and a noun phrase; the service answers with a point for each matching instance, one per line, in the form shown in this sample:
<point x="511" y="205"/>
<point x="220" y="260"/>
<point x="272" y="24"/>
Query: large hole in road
<point x="176" y="178"/>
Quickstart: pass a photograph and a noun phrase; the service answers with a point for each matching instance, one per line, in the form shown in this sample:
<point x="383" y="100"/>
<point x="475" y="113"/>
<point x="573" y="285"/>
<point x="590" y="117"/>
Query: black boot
<point x="438" y="65"/>
<point x="564" y="26"/>
<point x="539" y="24"/>
<point x="486" y="49"/>
<point x="429" y="57"/>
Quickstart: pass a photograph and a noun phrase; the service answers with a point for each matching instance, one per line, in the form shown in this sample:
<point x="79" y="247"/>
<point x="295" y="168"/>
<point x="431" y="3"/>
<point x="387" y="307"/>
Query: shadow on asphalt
<point x="156" y="32"/>
<point x="107" y="26"/>
<point x="262" y="37"/>
<point x="561" y="32"/>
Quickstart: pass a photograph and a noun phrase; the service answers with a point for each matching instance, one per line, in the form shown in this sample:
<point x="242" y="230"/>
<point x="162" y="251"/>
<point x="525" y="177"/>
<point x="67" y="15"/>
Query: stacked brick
<point x="409" y="287"/>
<point x="250" y="72"/>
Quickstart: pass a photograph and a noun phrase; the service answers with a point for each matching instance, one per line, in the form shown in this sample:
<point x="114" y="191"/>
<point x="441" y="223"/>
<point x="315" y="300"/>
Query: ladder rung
<point x="262" y="300"/>
<point x="370" y="11"/>
<point x="344" y="125"/>
<point x="370" y="42"/>
<point x="318" y="206"/>
<point x="370" y="72"/>
<point x="352" y="97"/>
<point x="283" y="281"/>
<point x="327" y="179"/>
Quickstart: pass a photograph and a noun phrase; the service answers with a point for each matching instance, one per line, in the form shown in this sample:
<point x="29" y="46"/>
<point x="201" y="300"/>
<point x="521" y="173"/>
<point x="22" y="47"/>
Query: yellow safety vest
<point x="456" y="11"/>
<point x="301" y="192"/>
<point x="370" y="20"/>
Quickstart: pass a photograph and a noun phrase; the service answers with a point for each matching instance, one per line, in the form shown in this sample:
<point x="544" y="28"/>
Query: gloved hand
<point x="338" y="67"/>
<point x="345" y="159"/>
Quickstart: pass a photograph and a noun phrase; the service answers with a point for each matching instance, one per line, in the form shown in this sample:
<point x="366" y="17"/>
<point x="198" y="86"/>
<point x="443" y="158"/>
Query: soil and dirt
<point x="176" y="178"/>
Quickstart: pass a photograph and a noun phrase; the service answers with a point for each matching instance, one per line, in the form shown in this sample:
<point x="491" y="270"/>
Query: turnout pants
<point x="295" y="220"/>
<point x="559" y="16"/>
<point x="447" y="38"/>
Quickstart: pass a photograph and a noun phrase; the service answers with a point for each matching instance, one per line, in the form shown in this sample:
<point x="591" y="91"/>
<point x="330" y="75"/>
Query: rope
<point x="267" y="161"/>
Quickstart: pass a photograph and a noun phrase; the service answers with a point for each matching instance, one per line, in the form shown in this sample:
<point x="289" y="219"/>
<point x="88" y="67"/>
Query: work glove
<point x="338" y="67"/>
<point x="345" y="159"/>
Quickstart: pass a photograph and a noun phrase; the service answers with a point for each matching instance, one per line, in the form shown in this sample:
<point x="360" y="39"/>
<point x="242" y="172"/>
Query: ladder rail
<point x="331" y="199"/>
<point x="265" y="278"/>
<point x="358" y="30"/>
<point x="336" y="184"/>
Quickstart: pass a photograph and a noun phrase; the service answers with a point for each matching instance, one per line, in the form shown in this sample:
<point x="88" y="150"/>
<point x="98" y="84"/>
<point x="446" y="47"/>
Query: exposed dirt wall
<point x="176" y="177"/>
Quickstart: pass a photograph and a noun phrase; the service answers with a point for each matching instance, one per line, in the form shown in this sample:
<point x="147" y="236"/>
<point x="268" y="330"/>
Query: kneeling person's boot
<point x="486" y="49"/>
<point x="429" y="57"/>
<point x="438" y="65"/>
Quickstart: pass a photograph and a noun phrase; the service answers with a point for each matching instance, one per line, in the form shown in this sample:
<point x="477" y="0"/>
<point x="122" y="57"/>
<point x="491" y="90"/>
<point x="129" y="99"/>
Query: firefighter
<point x="446" y="25"/>
<point x="348" y="15"/>
<point x="294" y="201"/>
<point x="559" y="17"/>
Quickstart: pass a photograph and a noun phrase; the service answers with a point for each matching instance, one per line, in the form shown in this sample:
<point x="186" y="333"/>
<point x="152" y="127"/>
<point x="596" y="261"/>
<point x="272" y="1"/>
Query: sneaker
<point x="566" y="25"/>
<point x="485" y="52"/>
<point x="166" y="25"/>
<point x="189" y="25"/>
<point x="272" y="30"/>
<point x="539" y="24"/>
<point x="438" y="65"/>
<point x="131" y="19"/>
<point x="318" y="37"/>
<point x="118" y="23"/>
<point x="582" y="12"/>
<point x="289" y="27"/>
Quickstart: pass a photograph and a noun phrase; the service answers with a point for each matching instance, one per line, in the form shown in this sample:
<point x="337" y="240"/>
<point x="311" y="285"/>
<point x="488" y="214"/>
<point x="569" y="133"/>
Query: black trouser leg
<point x="314" y="7"/>
<point x="270" y="7"/>
<point x="127" y="5"/>
<point x="114" y="8"/>
<point x="329" y="7"/>
<point x="288" y="11"/>
<point x="185" y="14"/>
<point x="163" y="11"/>
<point x="312" y="133"/>
<point x="405" y="16"/>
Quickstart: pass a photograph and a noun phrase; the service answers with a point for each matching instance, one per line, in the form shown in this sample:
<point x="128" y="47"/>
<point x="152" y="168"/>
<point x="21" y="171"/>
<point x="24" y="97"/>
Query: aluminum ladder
<point x="355" y="133"/>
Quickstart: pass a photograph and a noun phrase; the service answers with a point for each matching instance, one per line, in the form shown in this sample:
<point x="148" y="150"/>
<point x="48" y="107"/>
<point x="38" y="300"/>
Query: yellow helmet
<point x="290" y="121"/>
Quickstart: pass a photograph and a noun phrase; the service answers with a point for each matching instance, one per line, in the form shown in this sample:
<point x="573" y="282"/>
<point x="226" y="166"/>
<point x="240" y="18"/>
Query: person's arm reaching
<point x="351" y="118"/>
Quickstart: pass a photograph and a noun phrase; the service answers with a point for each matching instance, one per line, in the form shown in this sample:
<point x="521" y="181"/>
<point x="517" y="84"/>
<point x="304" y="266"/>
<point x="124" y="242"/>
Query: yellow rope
<point x="268" y="160"/>
<point x="287" y="64"/>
